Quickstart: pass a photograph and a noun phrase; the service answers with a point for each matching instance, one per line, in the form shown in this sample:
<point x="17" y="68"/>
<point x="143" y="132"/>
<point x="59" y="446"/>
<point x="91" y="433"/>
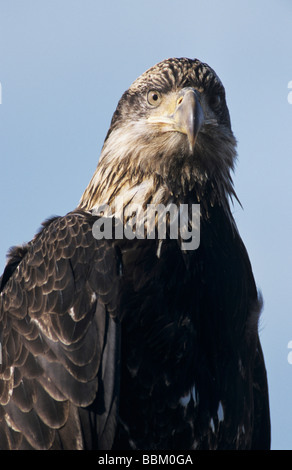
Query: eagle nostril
<point x="179" y="101"/>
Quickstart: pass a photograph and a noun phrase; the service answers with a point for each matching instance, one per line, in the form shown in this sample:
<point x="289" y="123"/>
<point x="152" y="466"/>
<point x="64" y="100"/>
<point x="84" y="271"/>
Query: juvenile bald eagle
<point x="138" y="343"/>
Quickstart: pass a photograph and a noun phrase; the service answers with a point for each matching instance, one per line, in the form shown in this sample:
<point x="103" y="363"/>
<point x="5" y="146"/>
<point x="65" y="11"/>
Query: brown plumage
<point x="139" y="344"/>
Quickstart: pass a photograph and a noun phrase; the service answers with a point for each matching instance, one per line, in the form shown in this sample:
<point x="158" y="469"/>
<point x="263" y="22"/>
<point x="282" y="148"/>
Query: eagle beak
<point x="182" y="112"/>
<point x="188" y="115"/>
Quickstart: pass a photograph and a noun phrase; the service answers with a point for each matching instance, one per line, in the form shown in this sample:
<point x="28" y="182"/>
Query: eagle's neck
<point x="125" y="176"/>
<point x="119" y="187"/>
<point x="122" y="175"/>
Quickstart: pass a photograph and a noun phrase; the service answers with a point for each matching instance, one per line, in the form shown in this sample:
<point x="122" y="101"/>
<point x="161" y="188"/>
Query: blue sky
<point x="63" y="67"/>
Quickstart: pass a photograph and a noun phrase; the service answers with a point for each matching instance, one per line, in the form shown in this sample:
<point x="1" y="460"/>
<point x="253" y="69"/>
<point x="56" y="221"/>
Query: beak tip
<point x="192" y="142"/>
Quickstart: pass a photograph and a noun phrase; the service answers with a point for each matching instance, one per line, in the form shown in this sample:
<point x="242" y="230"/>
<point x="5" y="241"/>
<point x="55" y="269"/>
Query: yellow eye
<point x="154" y="98"/>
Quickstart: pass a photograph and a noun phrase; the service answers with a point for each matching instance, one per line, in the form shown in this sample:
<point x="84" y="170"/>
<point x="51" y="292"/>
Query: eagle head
<point x="170" y="136"/>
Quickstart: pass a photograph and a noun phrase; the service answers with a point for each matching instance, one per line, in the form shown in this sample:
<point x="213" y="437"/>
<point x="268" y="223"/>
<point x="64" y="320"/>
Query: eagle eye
<point x="154" y="97"/>
<point x="215" y="100"/>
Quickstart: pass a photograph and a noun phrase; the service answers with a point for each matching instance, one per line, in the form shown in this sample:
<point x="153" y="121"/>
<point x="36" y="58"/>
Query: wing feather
<point x="54" y="299"/>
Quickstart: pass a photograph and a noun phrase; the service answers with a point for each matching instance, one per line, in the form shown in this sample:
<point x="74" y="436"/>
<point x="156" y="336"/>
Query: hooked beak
<point x="187" y="117"/>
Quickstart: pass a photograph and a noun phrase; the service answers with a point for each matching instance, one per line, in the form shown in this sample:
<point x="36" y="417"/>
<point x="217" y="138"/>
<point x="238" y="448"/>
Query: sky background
<point x="64" y="64"/>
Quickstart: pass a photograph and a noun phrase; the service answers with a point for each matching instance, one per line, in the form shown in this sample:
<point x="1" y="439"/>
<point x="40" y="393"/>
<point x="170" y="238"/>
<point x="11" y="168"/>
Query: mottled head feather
<point x="170" y="74"/>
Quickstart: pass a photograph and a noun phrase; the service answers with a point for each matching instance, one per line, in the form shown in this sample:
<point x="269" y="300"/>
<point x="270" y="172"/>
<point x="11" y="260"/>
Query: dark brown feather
<point x="55" y="333"/>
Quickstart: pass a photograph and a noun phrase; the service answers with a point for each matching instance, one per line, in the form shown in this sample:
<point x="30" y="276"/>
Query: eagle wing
<point x="59" y="339"/>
